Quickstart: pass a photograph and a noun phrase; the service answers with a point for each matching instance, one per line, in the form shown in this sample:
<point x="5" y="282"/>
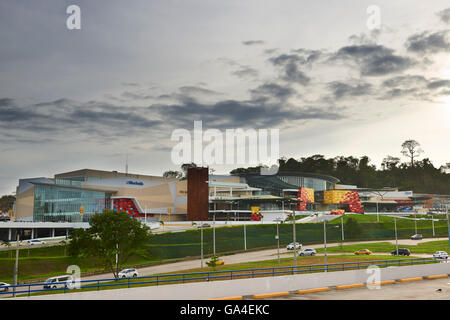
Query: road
<point x="251" y="257"/>
<point x="438" y="289"/>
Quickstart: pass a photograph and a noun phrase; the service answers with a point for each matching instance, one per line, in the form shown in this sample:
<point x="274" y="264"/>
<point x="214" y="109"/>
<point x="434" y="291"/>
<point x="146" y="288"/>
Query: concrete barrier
<point x="410" y="279"/>
<point x="270" y="295"/>
<point x="313" y="290"/>
<point x="349" y="286"/>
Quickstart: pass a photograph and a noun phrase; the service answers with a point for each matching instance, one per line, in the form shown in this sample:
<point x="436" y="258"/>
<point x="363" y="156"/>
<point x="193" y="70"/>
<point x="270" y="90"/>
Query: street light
<point x="294" y="238"/>
<point x="325" y="241"/>
<point x="396" y="239"/>
<point x="448" y="225"/>
<point x="201" y="244"/>
<point x="277" y="237"/>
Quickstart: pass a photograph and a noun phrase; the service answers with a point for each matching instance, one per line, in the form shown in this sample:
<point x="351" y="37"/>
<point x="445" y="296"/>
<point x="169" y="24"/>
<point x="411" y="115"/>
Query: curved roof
<point x="297" y="174"/>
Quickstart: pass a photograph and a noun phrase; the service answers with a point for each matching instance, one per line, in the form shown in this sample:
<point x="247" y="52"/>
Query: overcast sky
<point x="137" y="70"/>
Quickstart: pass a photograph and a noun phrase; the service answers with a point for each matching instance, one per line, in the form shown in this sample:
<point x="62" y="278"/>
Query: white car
<point x="128" y="273"/>
<point x="440" y="255"/>
<point x="307" y="252"/>
<point x="35" y="241"/>
<point x="290" y="246"/>
<point x="60" y="282"/>
<point x="4" y="286"/>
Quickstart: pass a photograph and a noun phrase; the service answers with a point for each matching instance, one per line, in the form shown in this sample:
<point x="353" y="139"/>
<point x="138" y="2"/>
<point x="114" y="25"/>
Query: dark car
<point x="401" y="252"/>
<point x="416" y="237"/>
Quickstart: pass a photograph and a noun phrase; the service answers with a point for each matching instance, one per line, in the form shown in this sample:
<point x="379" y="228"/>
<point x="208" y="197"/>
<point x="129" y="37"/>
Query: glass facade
<point x="305" y="182"/>
<point x="57" y="203"/>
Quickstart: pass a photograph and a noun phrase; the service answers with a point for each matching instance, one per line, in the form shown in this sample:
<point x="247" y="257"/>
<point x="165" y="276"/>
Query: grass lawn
<point x="429" y="247"/>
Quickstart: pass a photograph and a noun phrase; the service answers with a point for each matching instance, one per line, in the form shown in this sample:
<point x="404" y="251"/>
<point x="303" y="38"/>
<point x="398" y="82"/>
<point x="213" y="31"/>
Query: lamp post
<point x="342" y="226"/>
<point x="396" y="239"/>
<point x="16" y="264"/>
<point x="214" y="233"/>
<point x="448" y="226"/>
<point x="277" y="237"/>
<point x="201" y="244"/>
<point x="245" y="237"/>
<point x="325" y="241"/>
<point x="294" y="238"/>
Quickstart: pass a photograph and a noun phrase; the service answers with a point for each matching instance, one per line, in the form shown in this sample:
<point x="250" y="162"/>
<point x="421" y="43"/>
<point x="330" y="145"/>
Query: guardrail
<point x="26" y="289"/>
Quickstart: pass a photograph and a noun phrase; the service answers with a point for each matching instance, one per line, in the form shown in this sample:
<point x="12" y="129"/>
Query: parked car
<point x="4" y="286"/>
<point x="34" y="242"/>
<point x="290" y="246"/>
<point x="363" y="251"/>
<point x="416" y="237"/>
<point x="401" y="252"/>
<point x="60" y="282"/>
<point x="440" y="255"/>
<point x="128" y="273"/>
<point x="307" y="252"/>
<point x="204" y="225"/>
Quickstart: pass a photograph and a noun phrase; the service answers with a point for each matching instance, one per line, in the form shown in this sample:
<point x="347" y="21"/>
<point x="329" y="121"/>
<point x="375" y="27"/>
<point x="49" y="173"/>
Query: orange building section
<point x="345" y="197"/>
<point x="305" y="195"/>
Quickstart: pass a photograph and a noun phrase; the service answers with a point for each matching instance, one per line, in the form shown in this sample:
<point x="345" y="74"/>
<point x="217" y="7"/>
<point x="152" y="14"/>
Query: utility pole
<point x="117" y="258"/>
<point x="415" y="223"/>
<point x="16" y="264"/>
<point x="325" y="241"/>
<point x="432" y="225"/>
<point x="294" y="236"/>
<point x="278" y="241"/>
<point x="448" y="226"/>
<point x="396" y="239"/>
<point x="342" y="226"/>
<point x="201" y="244"/>
<point x="214" y="233"/>
<point x="245" y="237"/>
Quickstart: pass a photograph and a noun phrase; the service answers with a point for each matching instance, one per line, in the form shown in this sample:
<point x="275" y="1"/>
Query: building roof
<point x="71" y="187"/>
<point x="105" y="174"/>
<point x="296" y="174"/>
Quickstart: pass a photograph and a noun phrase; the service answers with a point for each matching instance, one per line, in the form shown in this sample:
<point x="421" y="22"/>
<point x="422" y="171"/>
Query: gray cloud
<point x="273" y="90"/>
<point x="341" y="89"/>
<point x="444" y="15"/>
<point x="373" y="60"/>
<point x="427" y="42"/>
<point x="246" y="72"/>
<point x="413" y="86"/>
<point x="290" y="68"/>
<point x="253" y="42"/>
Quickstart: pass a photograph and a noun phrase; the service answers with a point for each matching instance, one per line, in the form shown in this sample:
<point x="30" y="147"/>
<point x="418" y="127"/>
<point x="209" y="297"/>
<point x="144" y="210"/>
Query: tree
<point x="352" y="228"/>
<point x="111" y="233"/>
<point x="173" y="174"/>
<point x="6" y="203"/>
<point x="389" y="163"/>
<point x="213" y="262"/>
<point x="185" y="167"/>
<point x="411" y="149"/>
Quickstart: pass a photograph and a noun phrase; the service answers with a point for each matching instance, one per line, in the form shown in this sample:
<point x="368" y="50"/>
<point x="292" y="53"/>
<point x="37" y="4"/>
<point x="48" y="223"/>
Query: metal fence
<point x="101" y="284"/>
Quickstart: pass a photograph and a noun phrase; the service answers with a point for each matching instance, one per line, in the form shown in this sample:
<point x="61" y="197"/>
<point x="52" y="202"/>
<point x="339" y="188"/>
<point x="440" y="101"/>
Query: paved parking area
<point x="438" y="289"/>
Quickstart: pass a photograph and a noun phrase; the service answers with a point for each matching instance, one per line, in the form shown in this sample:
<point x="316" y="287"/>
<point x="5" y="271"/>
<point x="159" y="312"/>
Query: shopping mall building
<point x="76" y="196"/>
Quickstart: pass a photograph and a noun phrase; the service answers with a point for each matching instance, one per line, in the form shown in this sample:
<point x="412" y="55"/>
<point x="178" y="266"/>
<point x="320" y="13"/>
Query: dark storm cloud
<point x="428" y="42"/>
<point x="373" y="59"/>
<point x="234" y="114"/>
